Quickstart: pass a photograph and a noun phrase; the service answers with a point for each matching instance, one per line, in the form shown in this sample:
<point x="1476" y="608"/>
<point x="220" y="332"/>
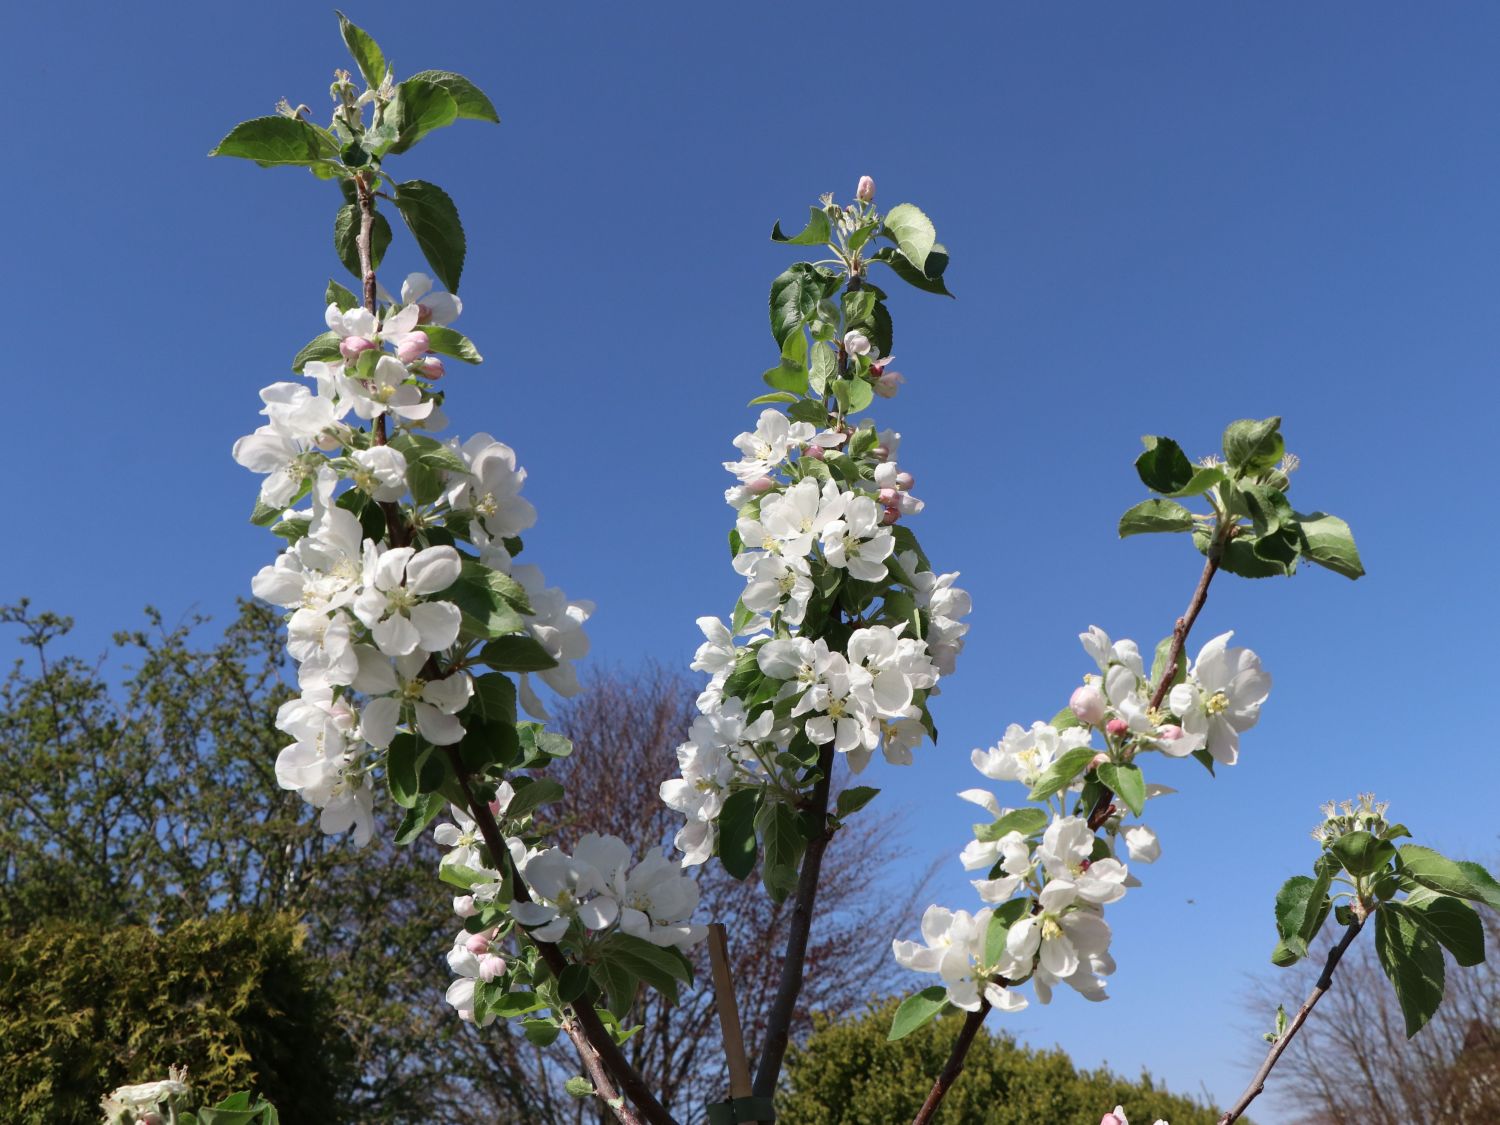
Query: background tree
<point x="1354" y="1063"/>
<point x="847" y="1072"/>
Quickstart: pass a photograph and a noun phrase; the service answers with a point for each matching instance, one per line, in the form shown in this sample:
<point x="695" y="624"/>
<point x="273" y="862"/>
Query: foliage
<point x="848" y="1072"/>
<point x="234" y="997"/>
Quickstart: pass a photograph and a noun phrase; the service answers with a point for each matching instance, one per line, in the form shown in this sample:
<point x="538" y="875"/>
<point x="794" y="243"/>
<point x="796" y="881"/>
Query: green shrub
<point x="847" y="1072"/>
<point x="233" y="997"/>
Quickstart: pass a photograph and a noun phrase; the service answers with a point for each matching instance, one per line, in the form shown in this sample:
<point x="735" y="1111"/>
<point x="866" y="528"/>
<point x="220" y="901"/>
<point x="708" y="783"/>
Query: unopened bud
<point x="865" y="193"/>
<point x="1171" y="732"/>
<point x="856" y="343"/>
<point x="888" y="383"/>
<point x="889" y="497"/>
<point x="478" y="944"/>
<point x="904" y="481"/>
<point x="327" y="442"/>
<point x="352" y="347"/>
<point x="1117" y="726"/>
<point x="881" y="453"/>
<point x="890" y="515"/>
<point x="413" y="346"/>
<point x="431" y="368"/>
<point x="490" y="967"/>
<point x="1096" y="761"/>
<point x="813" y="451"/>
<point x="463" y="906"/>
<point x="1087" y="703"/>
<point x="150" y="1117"/>
<point x="761" y="485"/>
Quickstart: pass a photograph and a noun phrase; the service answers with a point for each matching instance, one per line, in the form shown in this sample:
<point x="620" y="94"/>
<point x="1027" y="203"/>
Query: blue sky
<point x="1161" y="218"/>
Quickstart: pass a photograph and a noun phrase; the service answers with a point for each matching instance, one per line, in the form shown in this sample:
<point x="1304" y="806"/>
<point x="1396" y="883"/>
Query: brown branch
<point x="1103" y="807"/>
<point x="955" y="1064"/>
<point x="1325" y="982"/>
<point x="604" y="1087"/>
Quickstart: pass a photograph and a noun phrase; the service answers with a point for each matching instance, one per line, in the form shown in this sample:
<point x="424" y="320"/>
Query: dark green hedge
<point x="232" y="997"/>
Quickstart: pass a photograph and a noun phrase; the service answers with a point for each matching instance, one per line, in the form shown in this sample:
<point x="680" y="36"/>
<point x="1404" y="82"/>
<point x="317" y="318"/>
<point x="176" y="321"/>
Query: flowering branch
<point x="1284" y="1039"/>
<point x="955" y="1064"/>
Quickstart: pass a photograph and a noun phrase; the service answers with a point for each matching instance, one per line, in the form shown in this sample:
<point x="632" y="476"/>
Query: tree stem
<point x="1325" y="982"/>
<point x="955" y="1064"/>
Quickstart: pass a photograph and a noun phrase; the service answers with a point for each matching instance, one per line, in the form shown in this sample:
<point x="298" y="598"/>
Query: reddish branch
<point x="1325" y="982"/>
<point x="955" y="1064"/>
<point x="607" y="1066"/>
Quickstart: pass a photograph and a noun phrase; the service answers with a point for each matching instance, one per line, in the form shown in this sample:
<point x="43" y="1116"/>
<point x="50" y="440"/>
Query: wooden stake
<point x="729" y="1012"/>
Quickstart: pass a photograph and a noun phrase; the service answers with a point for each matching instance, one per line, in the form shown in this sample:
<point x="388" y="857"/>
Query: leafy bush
<point x="233" y="997"/>
<point x="847" y="1072"/>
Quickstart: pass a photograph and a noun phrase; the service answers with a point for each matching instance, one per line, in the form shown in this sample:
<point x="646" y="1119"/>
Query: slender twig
<point x="955" y="1064"/>
<point x="799" y="925"/>
<point x="596" y="1046"/>
<point x="1325" y="982"/>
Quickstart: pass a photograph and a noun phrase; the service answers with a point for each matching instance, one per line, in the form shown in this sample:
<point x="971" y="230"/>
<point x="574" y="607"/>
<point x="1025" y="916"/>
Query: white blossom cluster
<point x="592" y="893"/>
<point x="374" y="629"/>
<point x="816" y="509"/>
<point x="1048" y="875"/>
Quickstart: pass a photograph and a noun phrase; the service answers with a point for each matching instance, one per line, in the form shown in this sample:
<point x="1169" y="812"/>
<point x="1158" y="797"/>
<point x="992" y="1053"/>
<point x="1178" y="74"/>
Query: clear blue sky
<point x="1162" y="217"/>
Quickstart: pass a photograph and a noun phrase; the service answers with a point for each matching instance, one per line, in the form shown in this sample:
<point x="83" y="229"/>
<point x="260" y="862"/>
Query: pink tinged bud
<point x="478" y="944"/>
<point x="151" y="1118"/>
<point x="881" y="453"/>
<point x="352" y="347"/>
<point x="890" y="515"/>
<point x="1087" y="703"/>
<point x="865" y="193"/>
<point x="1097" y="760"/>
<point x="1117" y="726"/>
<point x="327" y="443"/>
<point x="888" y="384"/>
<point x="889" y="497"/>
<point x="1171" y="732"/>
<point x="761" y="485"/>
<point x="1110" y="1119"/>
<point x="424" y="314"/>
<point x="413" y="347"/>
<point x="856" y="343"/>
<point x="490" y="967"/>
<point x="431" y="368"/>
<point x="463" y="906"/>
<point x="813" y="451"/>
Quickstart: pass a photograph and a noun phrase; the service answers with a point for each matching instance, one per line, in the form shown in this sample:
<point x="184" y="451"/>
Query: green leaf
<point x="784" y="843"/>
<point x="1413" y="961"/>
<point x="322" y="349"/>
<point x="808" y="410"/>
<point x="821" y="372"/>
<point x="1164" y="467"/>
<point x="403" y="760"/>
<point x="737" y="845"/>
<point x="469" y="98"/>
<point x="277" y="140"/>
<point x="795" y="294"/>
<point x="1062" y="772"/>
<point x="912" y="231"/>
<point x="1453" y="922"/>
<point x="1327" y="541"/>
<point x="1026" y="821"/>
<point x="579" y="1086"/>
<point x="433" y="220"/>
<point x="917" y="1010"/>
<point x="860" y="395"/>
<point x="1253" y="447"/>
<point x="814" y="234"/>
<point x="336" y="294"/>
<point x="346" y="238"/>
<point x="1240" y="557"/>
<point x="419" y="816"/>
<point x="447" y="341"/>
<point x="486" y="612"/>
<point x="658" y="967"/>
<point x="1288" y="952"/>
<point x="365" y="51"/>
<point x="1361" y="854"/>
<point x="572" y="983"/>
<point x="535" y="792"/>
<point x="541" y="1033"/>
<point x="853" y="799"/>
<point x="521" y="653"/>
<point x="1155" y="515"/>
<point x="1293" y="902"/>
<point x="775" y="398"/>
<point x="494" y="698"/>
<point x="929" y="281"/>
<point x="1128" y="783"/>
<point x="1267" y="508"/>
<point x="1005" y="916"/>
<point x="418" y="108"/>
<point x="1432" y="869"/>
<point x="489" y="743"/>
<point x="1485" y="888"/>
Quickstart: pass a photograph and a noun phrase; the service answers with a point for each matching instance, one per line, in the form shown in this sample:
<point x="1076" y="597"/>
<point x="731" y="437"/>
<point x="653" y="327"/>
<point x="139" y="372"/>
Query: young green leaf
<point x="1327" y="541"/>
<point x="1414" y="963"/>
<point x="1155" y="515"/>
<point x="1252" y="447"/>
<point x="929" y="279"/>
<point x="853" y="799"/>
<point x="434" y="222"/>
<point x="419" y="108"/>
<point x="1362" y="854"/>
<point x="1452" y="921"/>
<point x="737" y="847"/>
<point x="519" y="653"/>
<point x="323" y="349"/>
<point x="815" y="233"/>
<point x="448" y="341"/>
<point x="1128" y="783"/>
<point x="365" y="52"/>
<point x="1164" y="467"/>
<point x="536" y="791"/>
<point x="1026" y="821"/>
<point x="277" y="140"/>
<point x="346" y="238"/>
<point x="1062" y="772"/>
<point x="917" y="1010"/>
<point x="784" y="843"/>
<point x="469" y="98"/>
<point x="1432" y="869"/>
<point x="912" y="231"/>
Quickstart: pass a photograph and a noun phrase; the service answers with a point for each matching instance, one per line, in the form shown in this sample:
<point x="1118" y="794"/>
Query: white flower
<point x="767" y="447"/>
<point x="1024" y="755"/>
<point x="387" y="391"/>
<point x="859" y="542"/>
<point x="432" y="307"/>
<point x="557" y="625"/>
<point x="433" y="703"/>
<point x="463" y="840"/>
<point x="1142" y="844"/>
<point x="1061" y="937"/>
<point x="389" y="605"/>
<point x="321" y="767"/>
<point x="1220" y="699"/>
<point x="1097" y="644"/>
<point x="717" y="653"/>
<point x="657" y="900"/>
<point x="465" y="963"/>
<point x="1065" y="852"/>
<point x="493" y="491"/>
<point x="380" y="471"/>
<point x="955" y="951"/>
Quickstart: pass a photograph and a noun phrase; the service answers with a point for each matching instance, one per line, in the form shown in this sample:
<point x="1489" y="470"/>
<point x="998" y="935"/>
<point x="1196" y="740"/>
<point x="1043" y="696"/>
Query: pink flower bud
<point x="1087" y="703"/>
<point x="888" y="384"/>
<point x="1171" y="732"/>
<point x="889" y="497"/>
<point x="1110" y="1119"/>
<point x="813" y="451"/>
<point x="761" y="485"/>
<point x="856" y="343"/>
<point x="150" y="1117"/>
<point x="890" y="515"/>
<point x="463" y="906"/>
<point x="413" y="346"/>
<point x="1117" y="726"/>
<point x="431" y="368"/>
<point x="866" y="190"/>
<point x="490" y="967"/>
<point x="881" y="453"/>
<point x="352" y="347"/>
<point x="1096" y="761"/>
<point x="904" y="481"/>
<point x="478" y="944"/>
